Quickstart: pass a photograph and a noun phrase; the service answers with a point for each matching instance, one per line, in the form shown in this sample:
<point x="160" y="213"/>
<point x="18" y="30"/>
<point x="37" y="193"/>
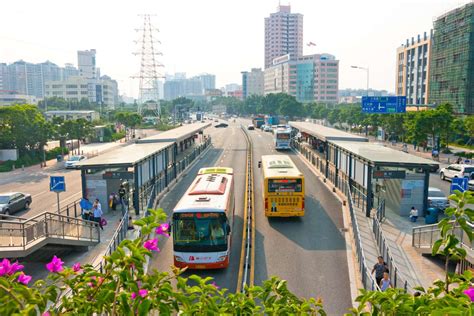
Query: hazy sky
<point x="222" y="37"/>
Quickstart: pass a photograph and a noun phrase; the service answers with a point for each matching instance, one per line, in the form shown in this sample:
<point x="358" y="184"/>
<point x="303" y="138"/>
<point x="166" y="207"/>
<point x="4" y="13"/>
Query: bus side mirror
<point x="228" y="229"/>
<point x="260" y="164"/>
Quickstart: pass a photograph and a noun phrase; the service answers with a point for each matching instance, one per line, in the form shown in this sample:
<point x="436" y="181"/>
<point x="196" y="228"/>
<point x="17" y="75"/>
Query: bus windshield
<point x="200" y="232"/>
<point x="284" y="185"/>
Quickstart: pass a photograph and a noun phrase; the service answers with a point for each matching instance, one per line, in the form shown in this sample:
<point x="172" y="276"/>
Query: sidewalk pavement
<point x="398" y="231"/>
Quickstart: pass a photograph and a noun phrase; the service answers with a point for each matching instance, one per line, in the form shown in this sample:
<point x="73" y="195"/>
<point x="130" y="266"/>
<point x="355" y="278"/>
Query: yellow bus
<point x="283" y="186"/>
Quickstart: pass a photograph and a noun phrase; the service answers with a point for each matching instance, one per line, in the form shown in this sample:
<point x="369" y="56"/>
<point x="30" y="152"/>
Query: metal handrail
<point x="386" y="253"/>
<point x="366" y="275"/>
<point x="433" y="231"/>
<point x="44" y="225"/>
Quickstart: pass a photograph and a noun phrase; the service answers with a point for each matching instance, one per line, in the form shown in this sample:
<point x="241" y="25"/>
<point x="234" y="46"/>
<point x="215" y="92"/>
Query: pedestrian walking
<point x="413" y="214"/>
<point x="86" y="207"/>
<point x="97" y="213"/>
<point x="113" y="201"/>
<point x="459" y="161"/>
<point x="379" y="268"/>
<point x="385" y="282"/>
<point x="122" y="192"/>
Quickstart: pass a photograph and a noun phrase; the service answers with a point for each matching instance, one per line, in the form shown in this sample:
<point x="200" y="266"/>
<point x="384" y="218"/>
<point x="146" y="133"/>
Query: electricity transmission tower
<point x="149" y="98"/>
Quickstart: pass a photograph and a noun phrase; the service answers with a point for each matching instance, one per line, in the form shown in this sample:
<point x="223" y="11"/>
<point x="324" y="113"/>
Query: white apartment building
<point x="283" y="34"/>
<point x="72" y="115"/>
<point x="252" y="82"/>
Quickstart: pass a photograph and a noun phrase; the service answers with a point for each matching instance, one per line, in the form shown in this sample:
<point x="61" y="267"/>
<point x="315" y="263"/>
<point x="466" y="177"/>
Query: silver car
<point x="437" y="199"/>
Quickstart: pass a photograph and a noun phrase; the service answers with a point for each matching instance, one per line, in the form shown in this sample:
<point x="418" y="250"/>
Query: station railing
<point x="368" y="280"/>
<point x="21" y="233"/>
<point x="425" y="236"/>
<point x="384" y="250"/>
<point x="159" y="184"/>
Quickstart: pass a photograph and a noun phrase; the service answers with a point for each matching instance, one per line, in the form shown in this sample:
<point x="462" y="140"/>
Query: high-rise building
<point x="452" y="60"/>
<point x="87" y="64"/>
<point x="208" y="81"/>
<point x="69" y="71"/>
<point x="252" y="82"/>
<point x="283" y="34"/>
<point x="311" y="78"/>
<point x="413" y="71"/>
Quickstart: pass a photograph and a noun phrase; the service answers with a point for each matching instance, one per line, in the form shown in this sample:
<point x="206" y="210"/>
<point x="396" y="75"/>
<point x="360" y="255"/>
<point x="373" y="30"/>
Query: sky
<point x="221" y="37"/>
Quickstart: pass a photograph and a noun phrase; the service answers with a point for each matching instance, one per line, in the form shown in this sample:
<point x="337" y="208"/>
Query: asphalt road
<point x="308" y="252"/>
<point x="35" y="181"/>
<point x="229" y="150"/>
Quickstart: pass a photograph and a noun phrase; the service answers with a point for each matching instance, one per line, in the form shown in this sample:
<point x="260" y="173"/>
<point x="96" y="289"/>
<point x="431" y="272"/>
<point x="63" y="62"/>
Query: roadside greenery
<point x="124" y="287"/>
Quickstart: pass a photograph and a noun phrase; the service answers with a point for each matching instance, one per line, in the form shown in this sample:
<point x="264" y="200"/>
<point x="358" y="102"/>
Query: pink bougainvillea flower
<point x="143" y="292"/>
<point x="23" y="278"/>
<point x="470" y="293"/>
<point x="152" y="245"/>
<point x="56" y="265"/>
<point x="15" y="267"/>
<point x="76" y="267"/>
<point x="214" y="285"/>
<point x="8" y="268"/>
<point x="47" y="313"/>
<point x="163" y="229"/>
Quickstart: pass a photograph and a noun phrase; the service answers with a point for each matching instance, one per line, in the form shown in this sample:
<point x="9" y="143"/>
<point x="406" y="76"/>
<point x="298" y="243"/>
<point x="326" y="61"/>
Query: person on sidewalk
<point x="413" y="214"/>
<point x="385" y="282"/>
<point x="379" y="268"/>
<point x="86" y="207"/>
<point x="97" y="213"/>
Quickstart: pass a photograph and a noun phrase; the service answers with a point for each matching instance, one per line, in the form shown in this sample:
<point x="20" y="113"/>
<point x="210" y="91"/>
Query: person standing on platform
<point x="97" y="213"/>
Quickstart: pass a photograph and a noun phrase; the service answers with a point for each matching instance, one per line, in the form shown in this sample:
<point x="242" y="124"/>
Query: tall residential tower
<point x="452" y="60"/>
<point x="413" y="59"/>
<point x="283" y="34"/>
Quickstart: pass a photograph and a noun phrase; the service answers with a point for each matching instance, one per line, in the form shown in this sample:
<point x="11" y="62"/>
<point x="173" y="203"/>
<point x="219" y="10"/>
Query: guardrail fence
<point x="384" y="250"/>
<point x="22" y="233"/>
<point x="368" y="280"/>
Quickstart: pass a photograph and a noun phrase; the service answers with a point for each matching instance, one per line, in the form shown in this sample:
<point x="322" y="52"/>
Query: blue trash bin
<point x="431" y="216"/>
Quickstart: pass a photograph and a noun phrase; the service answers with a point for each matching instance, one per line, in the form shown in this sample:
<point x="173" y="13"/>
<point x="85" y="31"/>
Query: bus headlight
<point x="178" y="258"/>
<point x="221" y="258"/>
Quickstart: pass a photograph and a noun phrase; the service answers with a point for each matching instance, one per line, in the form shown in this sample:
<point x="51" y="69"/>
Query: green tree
<point x="79" y="129"/>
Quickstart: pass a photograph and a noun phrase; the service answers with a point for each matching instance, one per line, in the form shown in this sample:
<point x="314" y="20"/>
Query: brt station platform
<point x="147" y="166"/>
<point x="375" y="173"/>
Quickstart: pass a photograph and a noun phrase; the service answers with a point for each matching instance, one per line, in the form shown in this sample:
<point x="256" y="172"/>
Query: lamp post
<point x="367" y="70"/>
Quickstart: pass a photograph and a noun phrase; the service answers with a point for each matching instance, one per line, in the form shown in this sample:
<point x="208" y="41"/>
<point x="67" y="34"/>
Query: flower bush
<point x="123" y="287"/>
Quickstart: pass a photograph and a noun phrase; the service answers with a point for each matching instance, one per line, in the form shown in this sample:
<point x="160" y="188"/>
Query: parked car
<point x="267" y="128"/>
<point x="13" y="202"/>
<point x="456" y="171"/>
<point x="72" y="162"/>
<point x="263" y="127"/>
<point x="221" y="125"/>
<point x="437" y="198"/>
<point x="250" y="127"/>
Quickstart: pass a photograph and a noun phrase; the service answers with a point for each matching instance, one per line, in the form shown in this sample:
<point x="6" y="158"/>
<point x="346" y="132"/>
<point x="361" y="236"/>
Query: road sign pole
<point x="57" y="194"/>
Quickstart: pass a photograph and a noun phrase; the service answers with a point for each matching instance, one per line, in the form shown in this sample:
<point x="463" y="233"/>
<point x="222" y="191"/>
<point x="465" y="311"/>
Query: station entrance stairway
<point x="19" y="237"/>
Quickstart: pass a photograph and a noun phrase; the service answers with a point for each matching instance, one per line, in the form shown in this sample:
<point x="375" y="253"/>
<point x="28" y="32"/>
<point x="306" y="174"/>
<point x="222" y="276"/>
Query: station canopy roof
<point x="326" y="133"/>
<point x="176" y="134"/>
<point x="127" y="156"/>
<point x="382" y="156"/>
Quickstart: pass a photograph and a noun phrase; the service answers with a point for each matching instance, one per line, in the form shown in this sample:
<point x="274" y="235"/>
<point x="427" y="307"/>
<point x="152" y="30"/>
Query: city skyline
<point x="222" y="39"/>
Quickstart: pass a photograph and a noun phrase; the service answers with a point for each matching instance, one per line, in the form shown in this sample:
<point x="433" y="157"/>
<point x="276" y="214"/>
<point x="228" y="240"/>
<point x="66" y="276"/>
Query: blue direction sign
<point x="392" y="104"/>
<point x="57" y="184"/>
<point x="460" y="184"/>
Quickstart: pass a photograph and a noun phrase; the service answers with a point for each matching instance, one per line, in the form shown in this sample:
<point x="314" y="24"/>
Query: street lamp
<point x="367" y="70"/>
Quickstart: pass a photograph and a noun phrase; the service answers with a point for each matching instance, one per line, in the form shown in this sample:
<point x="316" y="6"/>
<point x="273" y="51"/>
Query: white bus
<point x="282" y="138"/>
<point x="202" y="221"/>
